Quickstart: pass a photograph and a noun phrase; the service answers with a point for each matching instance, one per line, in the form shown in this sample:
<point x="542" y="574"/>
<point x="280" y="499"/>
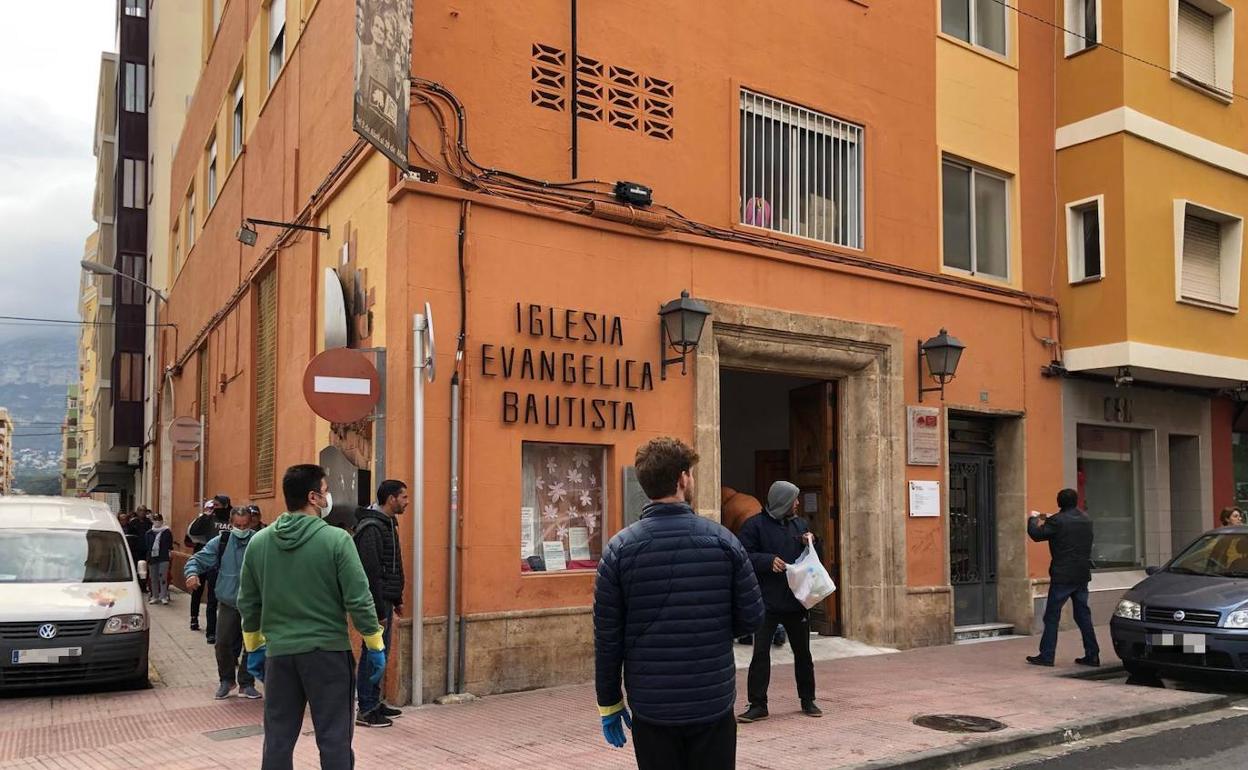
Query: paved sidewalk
<point x="868" y="703"/>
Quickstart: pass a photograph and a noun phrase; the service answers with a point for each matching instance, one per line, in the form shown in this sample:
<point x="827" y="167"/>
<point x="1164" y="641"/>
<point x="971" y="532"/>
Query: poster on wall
<point x="922" y="435"/>
<point x="383" y="60"/>
<point x="924" y="498"/>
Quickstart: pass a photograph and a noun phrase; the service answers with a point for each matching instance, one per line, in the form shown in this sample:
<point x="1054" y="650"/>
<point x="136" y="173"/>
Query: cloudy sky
<point x="47" y="170"/>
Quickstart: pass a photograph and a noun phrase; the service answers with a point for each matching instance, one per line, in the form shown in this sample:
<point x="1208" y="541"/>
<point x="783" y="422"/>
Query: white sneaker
<point x="152" y="600"/>
<point x="164" y="601"/>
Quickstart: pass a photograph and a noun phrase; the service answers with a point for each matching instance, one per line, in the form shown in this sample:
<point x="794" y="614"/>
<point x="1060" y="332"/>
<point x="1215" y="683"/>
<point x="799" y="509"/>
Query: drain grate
<point x="234" y="733"/>
<point x="958" y="723"/>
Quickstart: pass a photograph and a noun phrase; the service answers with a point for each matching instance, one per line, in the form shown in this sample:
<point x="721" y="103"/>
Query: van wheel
<point x="137" y="683"/>
<point x="1139" y="670"/>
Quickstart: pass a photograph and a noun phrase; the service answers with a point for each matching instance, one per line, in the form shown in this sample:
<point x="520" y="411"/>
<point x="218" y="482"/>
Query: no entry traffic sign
<point x="341" y="385"/>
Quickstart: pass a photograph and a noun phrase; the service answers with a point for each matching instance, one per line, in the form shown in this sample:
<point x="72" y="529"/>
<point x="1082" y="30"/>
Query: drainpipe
<point x="576" y="107"/>
<point x="453" y="679"/>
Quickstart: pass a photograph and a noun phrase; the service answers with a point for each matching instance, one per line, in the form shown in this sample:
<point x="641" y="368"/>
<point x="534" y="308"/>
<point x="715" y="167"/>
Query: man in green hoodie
<point x="301" y="578"/>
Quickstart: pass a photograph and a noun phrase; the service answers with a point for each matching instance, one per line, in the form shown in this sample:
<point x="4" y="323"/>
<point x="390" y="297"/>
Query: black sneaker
<point x="194" y="624"/>
<point x="388" y="711"/>
<point x="753" y="714"/>
<point x="373" y="718"/>
<point x="1036" y="660"/>
<point x="210" y="638"/>
<point x="810" y="709"/>
<point x="1091" y="661"/>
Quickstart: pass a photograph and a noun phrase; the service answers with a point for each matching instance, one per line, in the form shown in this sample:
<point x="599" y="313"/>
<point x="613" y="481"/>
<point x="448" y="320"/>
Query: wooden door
<point x="770" y="466"/>
<point x="813" y="463"/>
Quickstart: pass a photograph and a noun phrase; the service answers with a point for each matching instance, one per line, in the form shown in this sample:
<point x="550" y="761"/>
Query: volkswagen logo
<point x="47" y="631"/>
<point x="1179" y="615"/>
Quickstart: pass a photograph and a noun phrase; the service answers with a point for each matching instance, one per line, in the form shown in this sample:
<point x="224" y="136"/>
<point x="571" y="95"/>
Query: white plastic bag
<point x="808" y="580"/>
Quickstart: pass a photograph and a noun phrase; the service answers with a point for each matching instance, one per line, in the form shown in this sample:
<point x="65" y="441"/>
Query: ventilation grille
<point x="605" y="93"/>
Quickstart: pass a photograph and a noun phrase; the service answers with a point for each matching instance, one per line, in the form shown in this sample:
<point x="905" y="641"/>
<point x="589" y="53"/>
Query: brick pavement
<point x="868" y="702"/>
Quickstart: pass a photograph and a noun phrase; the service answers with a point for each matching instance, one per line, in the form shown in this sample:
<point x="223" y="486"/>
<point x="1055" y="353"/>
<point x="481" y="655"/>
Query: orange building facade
<point x="836" y="184"/>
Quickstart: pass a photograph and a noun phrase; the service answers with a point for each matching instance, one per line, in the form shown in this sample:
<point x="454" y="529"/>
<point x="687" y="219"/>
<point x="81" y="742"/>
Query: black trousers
<point x="229" y="647"/>
<point x="689" y="747"/>
<point x="209" y="587"/>
<point x="797" y="624"/>
<point x="322" y="681"/>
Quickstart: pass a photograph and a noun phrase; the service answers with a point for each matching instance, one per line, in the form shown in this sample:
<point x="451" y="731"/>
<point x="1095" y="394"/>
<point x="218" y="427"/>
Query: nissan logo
<point x="47" y="631"/>
<point x="1179" y="615"/>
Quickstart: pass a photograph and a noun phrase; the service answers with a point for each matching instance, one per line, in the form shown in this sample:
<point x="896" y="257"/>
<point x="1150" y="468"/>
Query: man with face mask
<point x="223" y="557"/>
<point x="211" y="522"/>
<point x="377" y="540"/>
<point x="300" y="580"/>
<point x="775" y="537"/>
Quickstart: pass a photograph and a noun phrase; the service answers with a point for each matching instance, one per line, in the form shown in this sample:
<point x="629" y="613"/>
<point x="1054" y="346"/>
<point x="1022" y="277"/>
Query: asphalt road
<point x="1211" y="745"/>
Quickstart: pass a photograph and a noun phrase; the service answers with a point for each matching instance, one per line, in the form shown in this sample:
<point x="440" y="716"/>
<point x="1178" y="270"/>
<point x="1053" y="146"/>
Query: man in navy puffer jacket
<point x="672" y="592"/>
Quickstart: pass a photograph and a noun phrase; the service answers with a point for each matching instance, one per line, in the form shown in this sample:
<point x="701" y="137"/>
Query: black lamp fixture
<point x="247" y="234"/>
<point x="680" y="328"/>
<point x="942" y="354"/>
<point x="1124" y="378"/>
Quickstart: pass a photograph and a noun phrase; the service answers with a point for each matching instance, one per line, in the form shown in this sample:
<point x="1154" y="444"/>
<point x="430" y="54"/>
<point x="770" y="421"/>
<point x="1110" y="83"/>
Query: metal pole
<point x="419" y="325"/>
<point x="452" y="628"/>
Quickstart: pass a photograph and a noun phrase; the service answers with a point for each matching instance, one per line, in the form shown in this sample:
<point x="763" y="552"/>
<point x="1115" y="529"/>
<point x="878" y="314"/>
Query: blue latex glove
<point x="613" y="728"/>
<point x="255" y="662"/>
<point x="376" y="665"/>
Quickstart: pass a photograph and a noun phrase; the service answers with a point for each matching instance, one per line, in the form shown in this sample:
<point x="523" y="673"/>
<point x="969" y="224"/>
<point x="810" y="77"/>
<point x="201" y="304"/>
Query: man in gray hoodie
<point x="222" y="556"/>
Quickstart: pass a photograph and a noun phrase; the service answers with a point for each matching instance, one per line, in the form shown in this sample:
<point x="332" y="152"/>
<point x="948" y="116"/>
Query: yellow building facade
<point x="1152" y="164"/>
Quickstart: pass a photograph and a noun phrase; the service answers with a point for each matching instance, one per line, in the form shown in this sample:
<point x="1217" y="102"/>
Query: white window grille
<point x="801" y="171"/>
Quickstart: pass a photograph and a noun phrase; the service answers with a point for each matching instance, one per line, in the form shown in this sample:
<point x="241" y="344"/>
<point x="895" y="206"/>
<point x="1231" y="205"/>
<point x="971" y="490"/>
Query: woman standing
<point x="159" y="541"/>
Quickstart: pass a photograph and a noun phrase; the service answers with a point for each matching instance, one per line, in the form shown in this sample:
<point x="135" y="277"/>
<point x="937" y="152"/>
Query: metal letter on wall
<point x="383" y="61"/>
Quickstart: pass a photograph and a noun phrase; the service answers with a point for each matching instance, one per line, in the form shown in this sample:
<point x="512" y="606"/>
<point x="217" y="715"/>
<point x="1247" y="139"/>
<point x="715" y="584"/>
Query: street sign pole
<point x="203" y="460"/>
<point x="419" y="325"/>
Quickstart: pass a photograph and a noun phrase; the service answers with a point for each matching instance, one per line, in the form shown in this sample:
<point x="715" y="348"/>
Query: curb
<point x="956" y="756"/>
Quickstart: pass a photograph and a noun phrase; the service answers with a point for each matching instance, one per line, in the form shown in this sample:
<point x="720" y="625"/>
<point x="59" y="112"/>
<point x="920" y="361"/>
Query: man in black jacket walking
<point x="377" y="540"/>
<point x="775" y="538"/>
<point x="672" y="592"/>
<point x="1069" y="532"/>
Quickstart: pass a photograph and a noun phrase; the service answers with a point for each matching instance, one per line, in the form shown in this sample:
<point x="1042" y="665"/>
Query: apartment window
<point x="264" y="346"/>
<point x="801" y="171"/>
<point x="133" y="183"/>
<point x="976" y="220"/>
<point x="277" y="39"/>
<point x="134" y="88"/>
<point x="136" y="8"/>
<point x="190" y="220"/>
<point x="204" y="394"/>
<point x="177" y="249"/>
<point x="1083" y="24"/>
<point x="979" y="22"/>
<point x="129" y="292"/>
<point x="210" y="161"/>
<point x="1110" y="485"/>
<point x="1203" y="45"/>
<point x="1208" y="255"/>
<point x="236" y="122"/>
<point x="1085" y="242"/>
<point x="564" y="506"/>
<point x="130" y="377"/>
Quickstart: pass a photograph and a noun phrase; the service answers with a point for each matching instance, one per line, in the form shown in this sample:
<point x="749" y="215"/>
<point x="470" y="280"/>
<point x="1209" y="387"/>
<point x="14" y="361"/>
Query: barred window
<point x="801" y="171"/>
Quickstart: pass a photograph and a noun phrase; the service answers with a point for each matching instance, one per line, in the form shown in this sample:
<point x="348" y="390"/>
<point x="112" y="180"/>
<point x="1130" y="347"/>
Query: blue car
<point x="1192" y="613"/>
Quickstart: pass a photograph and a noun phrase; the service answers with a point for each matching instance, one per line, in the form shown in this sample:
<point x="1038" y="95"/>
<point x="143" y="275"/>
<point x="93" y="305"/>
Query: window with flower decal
<point x="563" y="508"/>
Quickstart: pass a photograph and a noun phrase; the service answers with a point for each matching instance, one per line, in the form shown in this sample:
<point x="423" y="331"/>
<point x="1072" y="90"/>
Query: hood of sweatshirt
<point x="292" y="530"/>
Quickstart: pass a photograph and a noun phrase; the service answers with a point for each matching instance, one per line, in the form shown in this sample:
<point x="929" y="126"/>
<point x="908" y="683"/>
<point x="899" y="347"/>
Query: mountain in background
<point x="34" y="375"/>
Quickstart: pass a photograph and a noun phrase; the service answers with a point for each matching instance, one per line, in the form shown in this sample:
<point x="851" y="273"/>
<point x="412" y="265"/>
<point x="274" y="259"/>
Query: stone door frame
<point x="868" y="362"/>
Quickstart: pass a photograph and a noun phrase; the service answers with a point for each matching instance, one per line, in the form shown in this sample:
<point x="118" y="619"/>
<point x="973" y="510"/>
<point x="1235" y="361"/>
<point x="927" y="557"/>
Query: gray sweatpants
<point x="323" y="681"/>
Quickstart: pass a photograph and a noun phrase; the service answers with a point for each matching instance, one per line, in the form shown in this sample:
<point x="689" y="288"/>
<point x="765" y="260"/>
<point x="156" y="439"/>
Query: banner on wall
<point x="383" y="58"/>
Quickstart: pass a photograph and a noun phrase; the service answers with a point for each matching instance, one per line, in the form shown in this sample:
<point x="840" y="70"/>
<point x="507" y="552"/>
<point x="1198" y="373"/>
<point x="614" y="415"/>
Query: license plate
<point x="1193" y="643"/>
<point x="49" y="655"/>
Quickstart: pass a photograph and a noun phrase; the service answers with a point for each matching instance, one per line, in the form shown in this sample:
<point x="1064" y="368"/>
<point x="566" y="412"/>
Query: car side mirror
<point x="1152" y="570"/>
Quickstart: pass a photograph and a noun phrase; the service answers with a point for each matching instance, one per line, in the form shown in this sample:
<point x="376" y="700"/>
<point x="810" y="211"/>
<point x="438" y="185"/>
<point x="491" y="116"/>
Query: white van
<point x="71" y="611"/>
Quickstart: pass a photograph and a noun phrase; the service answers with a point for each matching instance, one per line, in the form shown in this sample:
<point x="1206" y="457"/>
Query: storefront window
<point x="1239" y="457"/>
<point x="1108" y="461"/>
<point x="563" y="509"/>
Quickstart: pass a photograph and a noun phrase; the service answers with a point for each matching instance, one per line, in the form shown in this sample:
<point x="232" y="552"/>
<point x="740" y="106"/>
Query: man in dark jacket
<point x="775" y="538"/>
<point x="212" y="521"/>
<point x="672" y="591"/>
<point x="377" y="540"/>
<point x="1069" y="532"/>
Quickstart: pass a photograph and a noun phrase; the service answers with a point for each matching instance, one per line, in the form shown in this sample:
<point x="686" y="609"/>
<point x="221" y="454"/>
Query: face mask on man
<point x="329" y="504"/>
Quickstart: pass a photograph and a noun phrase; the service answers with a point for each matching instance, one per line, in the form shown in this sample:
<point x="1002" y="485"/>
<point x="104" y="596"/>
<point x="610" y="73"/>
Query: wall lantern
<point x="942" y="353"/>
<point x="680" y="328"/>
<point x="247" y="234"/>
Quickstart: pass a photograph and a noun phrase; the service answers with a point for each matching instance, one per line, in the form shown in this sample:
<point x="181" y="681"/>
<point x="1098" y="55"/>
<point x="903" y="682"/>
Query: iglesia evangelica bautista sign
<point x="564" y="367"/>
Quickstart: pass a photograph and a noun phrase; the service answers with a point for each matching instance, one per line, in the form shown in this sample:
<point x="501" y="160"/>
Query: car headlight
<point x="125" y="624"/>
<point x="1128" y="609"/>
<point x="1236" y="619"/>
